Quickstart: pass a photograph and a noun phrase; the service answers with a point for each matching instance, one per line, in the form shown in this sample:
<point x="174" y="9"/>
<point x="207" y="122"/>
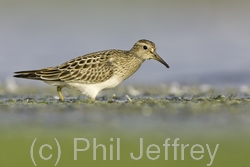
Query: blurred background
<point x="202" y="41"/>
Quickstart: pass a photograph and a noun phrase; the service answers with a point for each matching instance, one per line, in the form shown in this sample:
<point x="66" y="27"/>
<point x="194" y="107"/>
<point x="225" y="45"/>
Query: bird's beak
<point x="158" y="58"/>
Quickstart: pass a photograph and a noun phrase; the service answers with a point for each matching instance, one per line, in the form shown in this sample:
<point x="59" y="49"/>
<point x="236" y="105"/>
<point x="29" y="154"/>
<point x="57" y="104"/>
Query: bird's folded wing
<point x="85" y="69"/>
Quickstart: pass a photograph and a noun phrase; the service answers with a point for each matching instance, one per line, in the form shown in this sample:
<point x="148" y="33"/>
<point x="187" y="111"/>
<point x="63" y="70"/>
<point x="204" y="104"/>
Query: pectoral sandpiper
<point x="94" y="72"/>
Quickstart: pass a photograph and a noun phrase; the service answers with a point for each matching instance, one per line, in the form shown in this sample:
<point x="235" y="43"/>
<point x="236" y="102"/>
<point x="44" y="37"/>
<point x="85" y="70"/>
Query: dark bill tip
<point x="158" y="58"/>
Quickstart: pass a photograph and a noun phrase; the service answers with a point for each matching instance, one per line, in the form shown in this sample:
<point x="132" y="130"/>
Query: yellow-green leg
<point x="59" y="91"/>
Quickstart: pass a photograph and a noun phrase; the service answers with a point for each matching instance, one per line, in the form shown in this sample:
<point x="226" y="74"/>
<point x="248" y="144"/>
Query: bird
<point x="97" y="71"/>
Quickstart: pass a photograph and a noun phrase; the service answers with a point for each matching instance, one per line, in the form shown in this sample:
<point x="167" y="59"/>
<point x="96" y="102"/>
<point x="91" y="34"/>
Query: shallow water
<point x="202" y="119"/>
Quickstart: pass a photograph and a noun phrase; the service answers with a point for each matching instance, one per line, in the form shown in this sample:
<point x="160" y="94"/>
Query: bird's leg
<point x="112" y="99"/>
<point x="92" y="99"/>
<point x="59" y="91"/>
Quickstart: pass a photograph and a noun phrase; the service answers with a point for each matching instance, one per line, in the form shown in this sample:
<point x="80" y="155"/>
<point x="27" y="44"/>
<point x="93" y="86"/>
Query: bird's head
<point x="146" y="50"/>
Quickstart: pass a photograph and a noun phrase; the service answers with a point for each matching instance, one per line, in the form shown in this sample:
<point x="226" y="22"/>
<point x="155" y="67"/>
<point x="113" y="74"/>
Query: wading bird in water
<point x="94" y="72"/>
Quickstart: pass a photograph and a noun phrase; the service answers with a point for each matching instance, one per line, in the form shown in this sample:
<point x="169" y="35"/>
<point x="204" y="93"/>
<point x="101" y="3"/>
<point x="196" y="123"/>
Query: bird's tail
<point x="47" y="74"/>
<point x="32" y="74"/>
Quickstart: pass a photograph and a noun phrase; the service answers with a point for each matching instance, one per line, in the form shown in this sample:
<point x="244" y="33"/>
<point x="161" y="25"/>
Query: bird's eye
<point x="145" y="47"/>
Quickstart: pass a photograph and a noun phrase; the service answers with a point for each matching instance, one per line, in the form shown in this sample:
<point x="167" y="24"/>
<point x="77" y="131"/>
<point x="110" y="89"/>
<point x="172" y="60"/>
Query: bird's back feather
<point x="91" y="68"/>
